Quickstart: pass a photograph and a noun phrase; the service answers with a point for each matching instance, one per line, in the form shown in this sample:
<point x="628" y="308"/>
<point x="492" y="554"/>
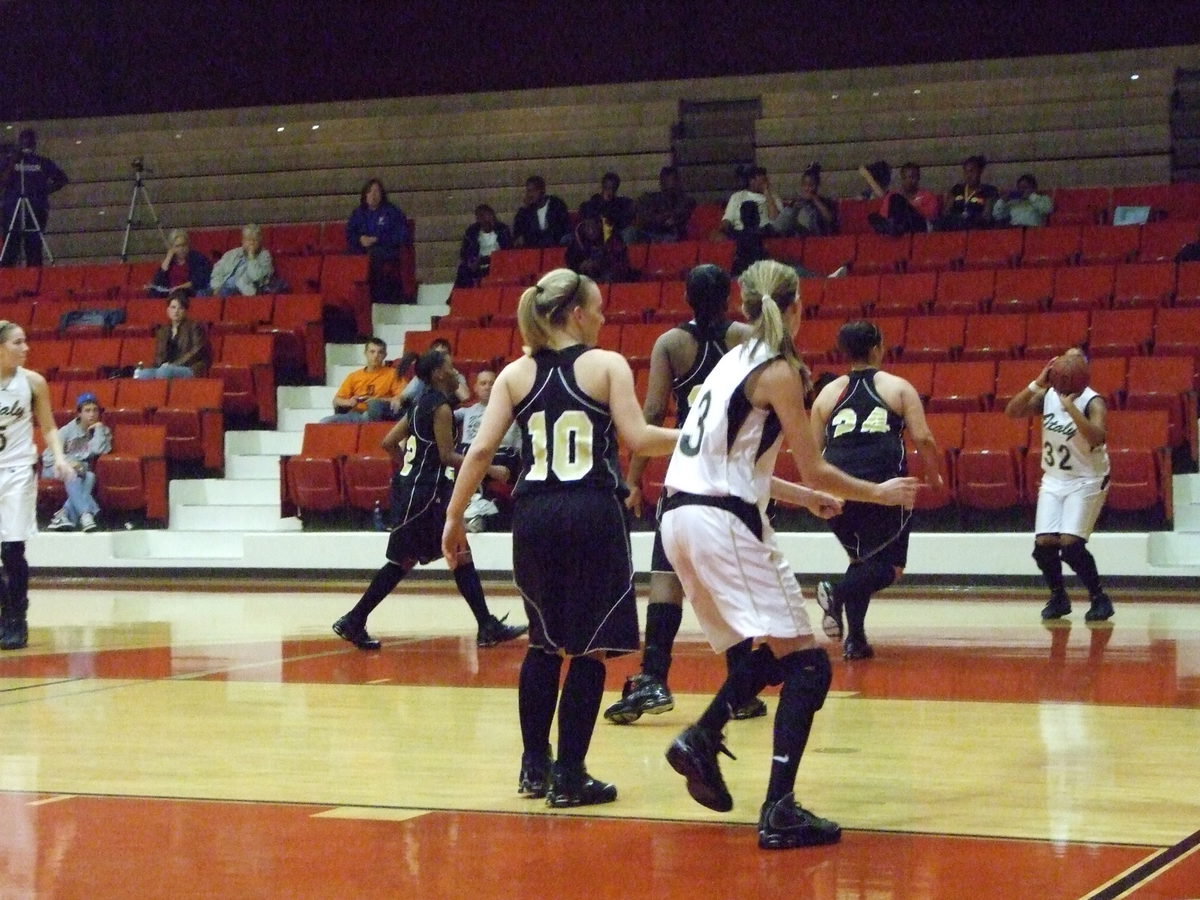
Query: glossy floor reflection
<point x="216" y="744"/>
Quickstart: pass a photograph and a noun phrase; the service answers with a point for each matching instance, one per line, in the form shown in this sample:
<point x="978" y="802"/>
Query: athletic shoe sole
<point x="831" y="621"/>
<point x="682" y="760"/>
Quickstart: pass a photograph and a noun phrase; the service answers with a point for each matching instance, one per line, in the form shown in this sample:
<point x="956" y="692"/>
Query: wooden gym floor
<point x="199" y="743"/>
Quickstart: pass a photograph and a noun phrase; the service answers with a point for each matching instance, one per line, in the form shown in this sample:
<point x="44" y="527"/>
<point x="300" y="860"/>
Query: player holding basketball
<point x="1075" y="477"/>
<point x="24" y="397"/>
<point x="727" y="558"/>
<point x="681" y="360"/>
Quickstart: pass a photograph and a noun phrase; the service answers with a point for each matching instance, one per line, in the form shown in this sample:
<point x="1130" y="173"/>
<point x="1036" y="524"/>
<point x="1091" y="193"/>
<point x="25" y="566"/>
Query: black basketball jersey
<point x="567" y="438"/>
<point x="710" y="347"/>
<point x="864" y="437"/>
<point x="423" y="468"/>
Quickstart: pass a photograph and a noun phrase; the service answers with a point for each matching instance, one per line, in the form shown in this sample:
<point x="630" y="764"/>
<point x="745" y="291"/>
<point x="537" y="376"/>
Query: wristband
<point x="1035" y="388"/>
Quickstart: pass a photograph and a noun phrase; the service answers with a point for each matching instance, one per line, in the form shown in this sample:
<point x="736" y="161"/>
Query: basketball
<point x="1069" y="375"/>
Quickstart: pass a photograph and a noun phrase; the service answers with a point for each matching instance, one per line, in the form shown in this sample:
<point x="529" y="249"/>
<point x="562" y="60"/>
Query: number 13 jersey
<point x="1065" y="452"/>
<point x="728" y="447"/>
<point x="567" y="438"/>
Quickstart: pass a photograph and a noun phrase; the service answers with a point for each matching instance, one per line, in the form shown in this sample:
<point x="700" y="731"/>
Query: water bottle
<point x="377" y="517"/>
<point x="138" y="369"/>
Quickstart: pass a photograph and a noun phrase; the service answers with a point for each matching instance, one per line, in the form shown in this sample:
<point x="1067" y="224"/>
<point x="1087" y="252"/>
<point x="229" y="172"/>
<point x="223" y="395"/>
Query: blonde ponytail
<point x="545" y="306"/>
<point x="769" y="289"/>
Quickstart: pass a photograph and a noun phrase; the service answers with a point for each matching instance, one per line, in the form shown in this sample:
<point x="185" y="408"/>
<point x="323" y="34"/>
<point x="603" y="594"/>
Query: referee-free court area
<point x="162" y="741"/>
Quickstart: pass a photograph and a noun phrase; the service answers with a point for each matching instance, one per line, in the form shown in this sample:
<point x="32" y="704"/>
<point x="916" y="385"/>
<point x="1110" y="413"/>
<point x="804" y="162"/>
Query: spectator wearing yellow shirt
<point x="365" y="394"/>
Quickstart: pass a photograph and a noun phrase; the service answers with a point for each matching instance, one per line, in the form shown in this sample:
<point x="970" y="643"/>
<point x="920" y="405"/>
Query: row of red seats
<point x="294" y="319"/>
<point x="989" y="461"/>
<point x="188" y="408"/>
<point x="1105" y="332"/>
<point x="1131" y="285"/>
<point x="340" y="280"/>
<point x="874" y="254"/>
<point x="243" y="367"/>
<point x="130" y="478"/>
<point x="338" y="465"/>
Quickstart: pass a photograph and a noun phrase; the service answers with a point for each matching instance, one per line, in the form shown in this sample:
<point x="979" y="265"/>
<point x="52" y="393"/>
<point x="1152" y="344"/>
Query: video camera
<point x="138" y="164"/>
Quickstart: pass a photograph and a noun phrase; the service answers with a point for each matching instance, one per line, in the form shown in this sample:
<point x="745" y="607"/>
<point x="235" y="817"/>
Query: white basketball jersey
<point x="16" y="422"/>
<point x="727" y="447"/>
<point x="1065" y="452"/>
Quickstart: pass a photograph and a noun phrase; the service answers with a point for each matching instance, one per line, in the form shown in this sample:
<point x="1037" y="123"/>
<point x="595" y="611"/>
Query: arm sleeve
<point x="200" y="270"/>
<point x="354" y="232"/>
<point x="223" y="269"/>
<point x="56" y="178"/>
<point x="101" y="441"/>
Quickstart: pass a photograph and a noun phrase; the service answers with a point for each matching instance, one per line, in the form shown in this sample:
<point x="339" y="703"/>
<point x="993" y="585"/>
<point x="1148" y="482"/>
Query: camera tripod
<point x="139" y="190"/>
<point x="24" y="213"/>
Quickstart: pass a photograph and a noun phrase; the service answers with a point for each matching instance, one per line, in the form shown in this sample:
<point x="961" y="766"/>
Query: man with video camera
<point x="25" y="174"/>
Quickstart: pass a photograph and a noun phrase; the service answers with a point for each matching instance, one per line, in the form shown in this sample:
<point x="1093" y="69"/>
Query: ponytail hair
<point x="769" y="289"/>
<point x="6" y="328"/>
<point x="545" y="306"/>
<point x="708" y="296"/>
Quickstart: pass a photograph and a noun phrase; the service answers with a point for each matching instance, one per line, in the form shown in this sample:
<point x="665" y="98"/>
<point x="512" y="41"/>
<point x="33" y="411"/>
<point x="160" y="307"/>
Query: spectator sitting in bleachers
<point x="607" y="205"/>
<point x="1023" y="206"/>
<point x="378" y="228"/>
<point x="910" y="210"/>
<point x="84" y="439"/>
<point x="599" y="253"/>
<point x="181" y="347"/>
<point x="479" y="242"/>
<point x="543" y="221"/>
<point x="969" y="203"/>
<point x="809" y="212"/>
<point x="366" y="393"/>
<point x="775" y="217"/>
<point x="246" y="269"/>
<point x="750" y="247"/>
<point x="663" y="215"/>
<point x="183" y="270"/>
<point x="493" y="495"/>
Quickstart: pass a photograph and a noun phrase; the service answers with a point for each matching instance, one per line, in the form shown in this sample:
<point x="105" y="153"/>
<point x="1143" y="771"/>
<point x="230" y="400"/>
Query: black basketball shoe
<point x="575" y="787"/>
<point x="857" y="649"/>
<point x="1100" y="610"/>
<point x="1059" y="606"/>
<point x="349" y="630"/>
<point x="752" y="710"/>
<point x="694" y="756"/>
<point x="15" y="635"/>
<point x="831" y="621"/>
<point x="783" y="824"/>
<point x="534" y="779"/>
<point x="494" y="631"/>
<point x="642" y="694"/>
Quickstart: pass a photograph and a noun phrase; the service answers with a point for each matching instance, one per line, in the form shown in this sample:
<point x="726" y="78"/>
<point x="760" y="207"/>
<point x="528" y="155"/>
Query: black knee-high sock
<point x="861" y="581"/>
<point x="16" y="573"/>
<point x="742" y="685"/>
<point x="1049" y="560"/>
<point x="467" y="579"/>
<point x="806" y="678"/>
<point x="662" y="624"/>
<point x="537" y="695"/>
<point x="1079" y="558"/>
<point x="738" y="655"/>
<point x="578" y="707"/>
<point x="381" y="585"/>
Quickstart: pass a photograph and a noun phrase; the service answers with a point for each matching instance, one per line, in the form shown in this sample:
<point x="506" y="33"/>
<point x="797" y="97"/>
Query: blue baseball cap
<point x="86" y="397"/>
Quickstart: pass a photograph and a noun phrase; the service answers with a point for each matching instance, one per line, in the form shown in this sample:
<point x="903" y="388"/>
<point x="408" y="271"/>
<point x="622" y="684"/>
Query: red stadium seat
<point x="881" y="254"/>
<point x="1162" y="241"/>
<point x="1183" y="201"/>
<point x="1052" y="246"/>
<point x="1187" y="287"/>
<point x="420" y="341"/>
<point x="302" y="274"/>
<point x="194" y="421"/>
<point x="137" y="400"/>
<point x="483" y="347"/>
<point x="297" y="239"/>
<point x="142" y="316"/>
<point x="706" y="218"/>
<point x="937" y="251"/>
<point x="632" y="302"/>
<point x="301" y="317"/>
<point x="1121" y="332"/>
<point x="847" y="298"/>
<point x="964" y="292"/>
<point x="817" y="341"/>
<point x="367" y="472"/>
<point x="313" y="478"/>
<point x="918" y="374"/>
<point x="719" y="253"/>
<point x="333" y="238"/>
<point x="997" y="248"/>
<point x="134" y="475"/>
<point x="669" y="262"/>
<point x="1083" y="288"/>
<point x="903" y="295"/>
<point x="1012" y="376"/>
<point x="963" y="386"/>
<point x="61" y="279"/>
<point x="853" y="215"/>
<point x="1081" y="206"/>
<point x="987" y="479"/>
<point x="637" y="342"/>
<point x="1107" y="378"/>
<point x="994" y="337"/>
<point x="1155" y="196"/>
<point x="1177" y="332"/>
<point x="21" y="282"/>
<point x="92" y="358"/>
<point x="1049" y="334"/>
<point x="344" y="287"/>
<point x="1022" y="290"/>
<point x="245" y="363"/>
<point x="824" y="255"/>
<point x="472" y="306"/>
<point x="933" y="338"/>
<point x="1101" y="244"/>
<point x="1166" y="382"/>
<point x="1144" y="284"/>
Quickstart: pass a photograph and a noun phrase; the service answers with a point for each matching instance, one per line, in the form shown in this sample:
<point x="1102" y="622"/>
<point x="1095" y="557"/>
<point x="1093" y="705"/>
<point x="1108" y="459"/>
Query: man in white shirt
<point x="770" y="208"/>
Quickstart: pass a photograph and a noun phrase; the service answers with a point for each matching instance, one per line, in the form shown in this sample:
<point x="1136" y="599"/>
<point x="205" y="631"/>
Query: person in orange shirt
<point x="365" y="394"/>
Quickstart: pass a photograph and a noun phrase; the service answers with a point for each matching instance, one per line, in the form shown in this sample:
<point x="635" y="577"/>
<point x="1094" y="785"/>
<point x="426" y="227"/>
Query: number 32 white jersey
<point x="1065" y="452"/>
<point x="727" y="448"/>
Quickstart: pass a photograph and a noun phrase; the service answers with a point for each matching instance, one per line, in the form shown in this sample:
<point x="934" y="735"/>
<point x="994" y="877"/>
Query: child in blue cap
<point x="84" y="438"/>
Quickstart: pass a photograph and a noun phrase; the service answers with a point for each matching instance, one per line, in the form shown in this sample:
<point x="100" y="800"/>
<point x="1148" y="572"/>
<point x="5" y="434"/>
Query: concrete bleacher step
<point x="1180" y="547"/>
<point x="247" y="466"/>
<point x="244" y="517"/>
<point x="295" y="418"/>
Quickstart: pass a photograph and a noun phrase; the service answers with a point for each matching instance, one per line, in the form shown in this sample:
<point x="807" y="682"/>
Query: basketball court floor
<point x="162" y="741"/>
